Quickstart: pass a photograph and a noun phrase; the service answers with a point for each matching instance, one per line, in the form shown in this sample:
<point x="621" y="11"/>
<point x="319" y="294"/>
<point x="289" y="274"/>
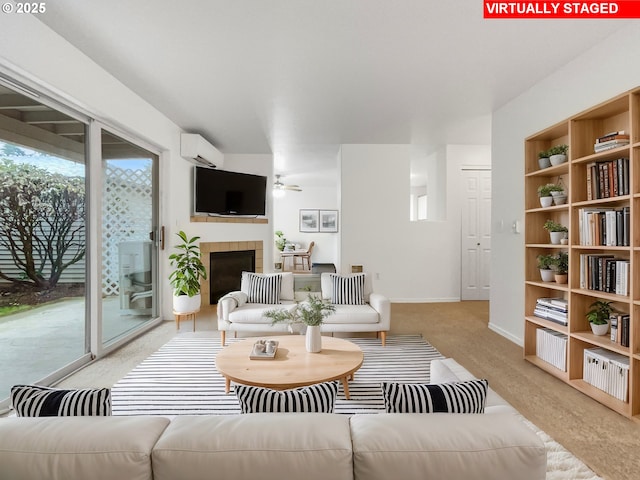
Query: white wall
<point x="286" y="218"/>
<point x="597" y="75"/>
<point x="410" y="261"/>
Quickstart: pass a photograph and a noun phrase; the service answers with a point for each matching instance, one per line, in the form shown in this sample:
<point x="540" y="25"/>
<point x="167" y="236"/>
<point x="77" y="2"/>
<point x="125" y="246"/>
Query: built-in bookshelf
<point x="602" y="179"/>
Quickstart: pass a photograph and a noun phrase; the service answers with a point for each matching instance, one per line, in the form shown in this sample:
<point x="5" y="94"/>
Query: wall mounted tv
<point x="220" y="192"/>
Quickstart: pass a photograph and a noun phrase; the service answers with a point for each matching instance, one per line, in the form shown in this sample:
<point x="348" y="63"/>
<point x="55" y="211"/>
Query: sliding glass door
<point x="78" y="238"/>
<point x="43" y="225"/>
<point x="128" y="232"/>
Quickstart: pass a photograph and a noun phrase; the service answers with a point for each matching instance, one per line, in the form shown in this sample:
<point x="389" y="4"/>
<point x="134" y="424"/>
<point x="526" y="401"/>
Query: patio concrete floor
<point x="36" y="342"/>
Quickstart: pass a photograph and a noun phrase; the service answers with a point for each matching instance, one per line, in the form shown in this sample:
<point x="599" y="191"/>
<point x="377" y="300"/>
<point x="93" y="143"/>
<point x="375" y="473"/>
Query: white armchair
<point x="236" y="313"/>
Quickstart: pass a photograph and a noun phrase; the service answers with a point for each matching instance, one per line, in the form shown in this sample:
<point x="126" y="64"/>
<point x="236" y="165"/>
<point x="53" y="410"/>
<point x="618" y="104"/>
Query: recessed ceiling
<point x="297" y="78"/>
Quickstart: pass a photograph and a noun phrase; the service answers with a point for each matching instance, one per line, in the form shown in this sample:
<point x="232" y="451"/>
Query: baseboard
<point x="505" y="334"/>
<point x="424" y="300"/>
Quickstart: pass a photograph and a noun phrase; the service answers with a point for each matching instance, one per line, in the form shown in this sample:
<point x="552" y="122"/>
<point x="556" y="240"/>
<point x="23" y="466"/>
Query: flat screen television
<point x="220" y="192"/>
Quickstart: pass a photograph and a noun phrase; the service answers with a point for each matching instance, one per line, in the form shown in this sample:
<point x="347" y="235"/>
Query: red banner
<point x="562" y="9"/>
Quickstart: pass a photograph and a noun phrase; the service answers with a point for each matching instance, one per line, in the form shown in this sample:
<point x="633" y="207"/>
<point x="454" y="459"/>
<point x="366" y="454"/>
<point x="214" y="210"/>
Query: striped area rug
<point x="181" y="378"/>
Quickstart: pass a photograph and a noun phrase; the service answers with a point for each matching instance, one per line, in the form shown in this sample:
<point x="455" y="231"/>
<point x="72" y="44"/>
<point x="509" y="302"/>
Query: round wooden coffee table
<point x="292" y="365"/>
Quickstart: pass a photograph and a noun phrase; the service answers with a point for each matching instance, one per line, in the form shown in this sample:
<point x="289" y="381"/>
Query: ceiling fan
<point x="279" y="188"/>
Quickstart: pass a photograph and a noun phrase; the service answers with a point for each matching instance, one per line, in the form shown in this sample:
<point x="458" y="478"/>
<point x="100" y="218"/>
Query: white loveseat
<point x="236" y="314"/>
<point x="496" y="445"/>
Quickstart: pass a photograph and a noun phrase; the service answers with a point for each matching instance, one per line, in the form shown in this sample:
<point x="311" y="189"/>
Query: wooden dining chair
<point x="305" y="258"/>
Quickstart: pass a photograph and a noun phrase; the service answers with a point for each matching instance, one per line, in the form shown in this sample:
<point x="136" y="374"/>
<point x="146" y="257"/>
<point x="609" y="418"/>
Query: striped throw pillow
<point x="348" y="290"/>
<point x="37" y="401"/>
<point x="458" y="397"/>
<point x="319" y="398"/>
<point x="264" y="288"/>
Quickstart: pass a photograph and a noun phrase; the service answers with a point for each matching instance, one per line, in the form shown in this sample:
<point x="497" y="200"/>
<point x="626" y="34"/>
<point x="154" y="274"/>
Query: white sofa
<point x="496" y="445"/>
<point x="237" y="315"/>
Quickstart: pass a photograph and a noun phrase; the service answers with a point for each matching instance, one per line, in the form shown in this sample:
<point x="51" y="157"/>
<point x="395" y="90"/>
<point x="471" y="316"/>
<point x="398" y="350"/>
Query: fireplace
<point x="210" y="295"/>
<point x="225" y="269"/>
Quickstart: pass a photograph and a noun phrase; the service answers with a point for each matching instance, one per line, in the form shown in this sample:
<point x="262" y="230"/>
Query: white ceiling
<point x="297" y="78"/>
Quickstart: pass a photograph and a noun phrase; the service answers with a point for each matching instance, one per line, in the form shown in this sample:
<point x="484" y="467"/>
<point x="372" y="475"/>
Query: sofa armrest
<point x="382" y="305"/>
<point x="229" y="303"/>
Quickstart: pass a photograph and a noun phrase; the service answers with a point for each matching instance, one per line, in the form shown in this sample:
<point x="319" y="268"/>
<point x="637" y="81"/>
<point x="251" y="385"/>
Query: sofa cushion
<point x="447" y="370"/>
<point x="312" y="446"/>
<point x="286" y="283"/>
<point x="78" y="448"/>
<point x="347" y="290"/>
<point x="459" y="397"/>
<point x="37" y="401"/>
<point x="353" y="314"/>
<point x="320" y="398"/>
<point x="445" y="446"/>
<point x="254" y="312"/>
<point x="326" y="285"/>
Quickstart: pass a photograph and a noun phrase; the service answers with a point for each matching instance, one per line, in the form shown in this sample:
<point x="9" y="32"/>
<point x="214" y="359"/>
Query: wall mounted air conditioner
<point x="196" y="149"/>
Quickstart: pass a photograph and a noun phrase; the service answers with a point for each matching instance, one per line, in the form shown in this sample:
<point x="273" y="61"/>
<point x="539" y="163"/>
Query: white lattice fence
<point x="126" y="216"/>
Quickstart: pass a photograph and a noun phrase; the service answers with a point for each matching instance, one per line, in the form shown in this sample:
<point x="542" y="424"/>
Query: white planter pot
<point x="313" y="340"/>
<point x="600" y="329"/>
<point x="546" y="201"/>
<point x="185" y="304"/>
<point x="544" y="162"/>
<point x="547" y="275"/>
<point x="559" y="199"/>
<point x="556" y="237"/>
<point x="557" y="159"/>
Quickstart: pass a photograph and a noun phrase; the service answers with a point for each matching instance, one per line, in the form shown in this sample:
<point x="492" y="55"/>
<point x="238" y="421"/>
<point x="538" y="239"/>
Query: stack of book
<point x="604" y="273"/>
<point x="551" y="347"/>
<point x="553" y="309"/>
<point x="611" y="140"/>
<point x="607" y="371"/>
<point x="604" y="226"/>
<point x="619" y="328"/>
<point x="607" y="179"/>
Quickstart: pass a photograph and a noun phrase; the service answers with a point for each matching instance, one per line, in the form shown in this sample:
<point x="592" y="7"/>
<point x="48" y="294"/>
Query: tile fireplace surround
<point x="208" y="247"/>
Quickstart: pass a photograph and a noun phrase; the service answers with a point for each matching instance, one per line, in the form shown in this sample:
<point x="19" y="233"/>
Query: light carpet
<point x="181" y="379"/>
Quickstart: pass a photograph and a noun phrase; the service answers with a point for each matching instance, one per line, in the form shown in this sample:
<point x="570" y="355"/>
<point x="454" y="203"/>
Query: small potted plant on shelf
<point x="558" y="154"/>
<point x="598" y="316"/>
<point x="556" y="231"/>
<point x="185" y="279"/>
<point x="543" y="159"/>
<point x="560" y="267"/>
<point x="544" y="265"/>
<point x="545" y="192"/>
<point x="311" y="313"/>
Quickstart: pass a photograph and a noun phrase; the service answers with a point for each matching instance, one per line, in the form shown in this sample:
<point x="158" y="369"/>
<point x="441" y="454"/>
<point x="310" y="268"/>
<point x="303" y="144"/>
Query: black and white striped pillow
<point x="264" y="288"/>
<point x="37" y="401"/>
<point x="319" y="398"/>
<point x="348" y="290"/>
<point x="458" y="397"/>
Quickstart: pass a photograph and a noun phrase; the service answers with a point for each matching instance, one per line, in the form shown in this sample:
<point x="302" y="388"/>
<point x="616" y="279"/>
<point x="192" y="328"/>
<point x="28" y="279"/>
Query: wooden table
<point x="292" y="366"/>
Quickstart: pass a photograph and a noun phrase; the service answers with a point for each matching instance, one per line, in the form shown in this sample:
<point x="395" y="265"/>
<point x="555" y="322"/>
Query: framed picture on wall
<point x="309" y="220"/>
<point x="328" y="220"/>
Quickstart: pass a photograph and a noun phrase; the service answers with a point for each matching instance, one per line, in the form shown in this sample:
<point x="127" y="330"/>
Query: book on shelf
<point x="551" y="346"/>
<point x="605" y="273"/>
<point x="604" y="226"/>
<point x="607" y="371"/>
<point x="601" y="147"/>
<point x="612" y="136"/>
<point x="607" y="179"/>
<point x="554" y="313"/>
<point x="554" y="302"/>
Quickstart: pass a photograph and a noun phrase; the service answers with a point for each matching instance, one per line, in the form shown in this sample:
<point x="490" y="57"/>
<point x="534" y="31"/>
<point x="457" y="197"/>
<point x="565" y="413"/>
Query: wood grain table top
<point x="292" y="365"/>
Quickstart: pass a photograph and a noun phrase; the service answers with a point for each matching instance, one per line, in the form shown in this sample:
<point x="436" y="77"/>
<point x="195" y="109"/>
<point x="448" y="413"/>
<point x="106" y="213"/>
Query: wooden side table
<point x="186" y="316"/>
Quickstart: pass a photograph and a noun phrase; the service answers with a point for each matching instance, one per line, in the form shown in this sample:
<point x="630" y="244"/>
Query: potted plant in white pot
<point x="558" y="154"/>
<point x="544" y="265"/>
<point x="185" y="279"/>
<point x="560" y="267"/>
<point x="311" y="313"/>
<point x="598" y="316"/>
<point x="545" y="192"/>
<point x="556" y="231"/>
<point x="543" y="159"/>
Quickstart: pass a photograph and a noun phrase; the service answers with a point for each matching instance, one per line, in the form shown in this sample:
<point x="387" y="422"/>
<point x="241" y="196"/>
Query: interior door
<point x="476" y="235"/>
